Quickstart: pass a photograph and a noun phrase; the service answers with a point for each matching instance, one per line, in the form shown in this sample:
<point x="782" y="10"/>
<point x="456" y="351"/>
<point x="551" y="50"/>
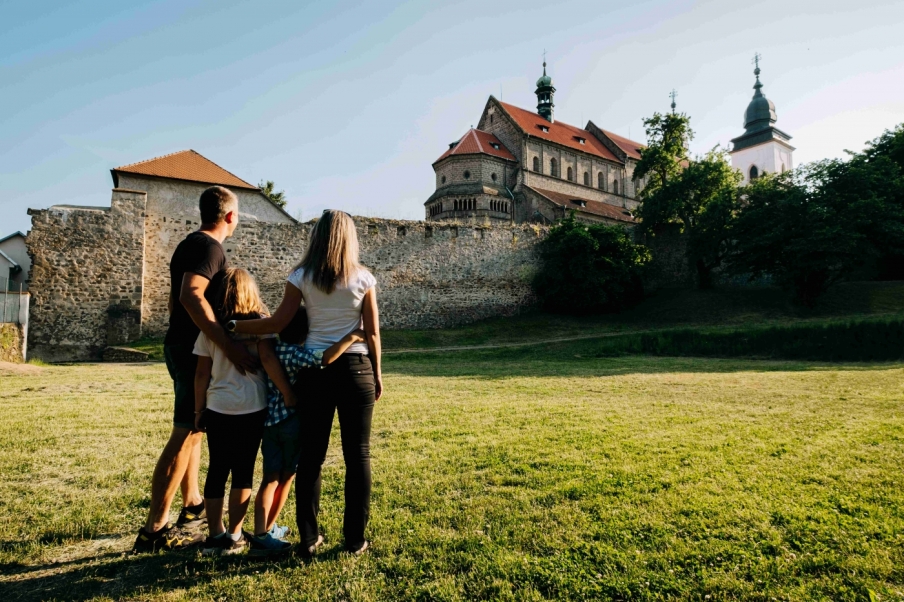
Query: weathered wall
<point x="101" y="276"/>
<point x="180" y="198"/>
<point x="11" y="342"/>
<point x="87" y="276"/>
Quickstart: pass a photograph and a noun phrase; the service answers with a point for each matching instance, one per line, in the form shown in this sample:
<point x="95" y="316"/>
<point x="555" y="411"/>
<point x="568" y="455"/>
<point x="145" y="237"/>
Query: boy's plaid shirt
<point x="293" y="358"/>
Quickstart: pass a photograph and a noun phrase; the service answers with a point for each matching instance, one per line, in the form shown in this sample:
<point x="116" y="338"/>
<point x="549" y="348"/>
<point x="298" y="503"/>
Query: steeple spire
<point x="756" y="61"/>
<point x="672" y="96"/>
<point x="545" y="92"/>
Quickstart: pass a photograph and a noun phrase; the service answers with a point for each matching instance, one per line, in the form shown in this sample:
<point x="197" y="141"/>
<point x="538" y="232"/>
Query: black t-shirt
<point x="197" y="254"/>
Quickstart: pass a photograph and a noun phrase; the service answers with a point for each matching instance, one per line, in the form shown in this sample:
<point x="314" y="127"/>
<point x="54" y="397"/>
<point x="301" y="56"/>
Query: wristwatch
<point x="230" y="325"/>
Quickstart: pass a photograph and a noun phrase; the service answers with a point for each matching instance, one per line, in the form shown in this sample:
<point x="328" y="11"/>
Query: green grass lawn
<point x="501" y="474"/>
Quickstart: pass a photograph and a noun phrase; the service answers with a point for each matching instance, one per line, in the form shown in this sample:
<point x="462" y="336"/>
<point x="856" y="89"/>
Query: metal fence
<point x="13" y="303"/>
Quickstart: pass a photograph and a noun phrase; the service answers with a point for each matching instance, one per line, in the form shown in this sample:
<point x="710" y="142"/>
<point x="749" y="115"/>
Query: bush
<point x="589" y="268"/>
<point x="853" y="341"/>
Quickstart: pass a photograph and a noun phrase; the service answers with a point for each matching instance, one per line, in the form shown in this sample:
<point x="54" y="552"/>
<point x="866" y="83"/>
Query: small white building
<point x="762" y="148"/>
<point x="14" y="262"/>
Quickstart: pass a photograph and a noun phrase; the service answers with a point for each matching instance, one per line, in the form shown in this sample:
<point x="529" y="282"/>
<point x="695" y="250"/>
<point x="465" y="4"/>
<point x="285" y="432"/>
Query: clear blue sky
<point x="346" y="105"/>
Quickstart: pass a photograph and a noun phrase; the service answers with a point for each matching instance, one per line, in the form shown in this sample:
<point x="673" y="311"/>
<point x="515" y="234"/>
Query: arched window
<point x="570" y="175"/>
<point x="754" y="172"/>
<point x="783" y="168"/>
<point x="586" y="179"/>
<point x="537" y="164"/>
<point x="553" y="168"/>
<point x="493" y="177"/>
<point x="467" y="175"/>
<point x="615" y="186"/>
<point x="601" y="181"/>
<point x="444" y="179"/>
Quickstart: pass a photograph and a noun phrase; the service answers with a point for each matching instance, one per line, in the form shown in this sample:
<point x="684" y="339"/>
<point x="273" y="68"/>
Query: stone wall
<point x="101" y="276"/>
<point x="86" y="277"/>
<point x="11" y="342"/>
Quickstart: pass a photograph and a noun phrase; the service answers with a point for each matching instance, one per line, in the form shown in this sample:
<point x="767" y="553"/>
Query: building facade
<point x="15" y="264"/>
<point x="762" y="148"/>
<point x="520" y="166"/>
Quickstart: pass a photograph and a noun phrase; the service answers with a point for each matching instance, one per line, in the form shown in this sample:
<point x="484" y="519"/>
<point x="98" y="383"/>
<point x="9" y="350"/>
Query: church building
<point x="762" y="148"/>
<point x="522" y="166"/>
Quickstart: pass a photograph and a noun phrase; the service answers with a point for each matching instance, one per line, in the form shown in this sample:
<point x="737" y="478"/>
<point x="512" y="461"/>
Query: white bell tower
<point x="762" y="148"/>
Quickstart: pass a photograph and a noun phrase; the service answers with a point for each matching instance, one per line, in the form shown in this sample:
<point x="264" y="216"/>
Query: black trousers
<point x="233" y="441"/>
<point x="346" y="386"/>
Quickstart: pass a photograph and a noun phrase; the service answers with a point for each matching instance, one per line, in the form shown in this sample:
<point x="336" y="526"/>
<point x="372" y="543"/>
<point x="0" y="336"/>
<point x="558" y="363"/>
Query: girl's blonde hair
<point x="239" y="298"/>
<point x="332" y="253"/>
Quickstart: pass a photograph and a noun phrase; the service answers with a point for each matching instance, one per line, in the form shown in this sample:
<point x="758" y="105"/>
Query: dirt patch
<point x="11" y="369"/>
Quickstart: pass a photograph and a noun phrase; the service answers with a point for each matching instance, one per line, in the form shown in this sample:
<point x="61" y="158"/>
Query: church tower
<point x="545" y="92"/>
<point x="762" y="148"/>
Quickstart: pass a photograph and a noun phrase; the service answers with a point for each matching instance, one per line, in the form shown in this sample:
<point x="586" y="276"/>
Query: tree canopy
<point x="269" y="190"/>
<point x="589" y="268"/>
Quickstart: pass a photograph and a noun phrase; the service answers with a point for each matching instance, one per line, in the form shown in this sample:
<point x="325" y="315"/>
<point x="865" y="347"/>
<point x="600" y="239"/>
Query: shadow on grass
<point x="120" y="575"/>
<point x="581" y="358"/>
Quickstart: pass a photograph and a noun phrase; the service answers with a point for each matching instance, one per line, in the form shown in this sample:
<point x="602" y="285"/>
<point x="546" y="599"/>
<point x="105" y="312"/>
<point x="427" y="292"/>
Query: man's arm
<point x="334" y="351"/>
<point x="202" y="381"/>
<point x="191" y="296"/>
<point x="267" y="350"/>
<point x="371" y="315"/>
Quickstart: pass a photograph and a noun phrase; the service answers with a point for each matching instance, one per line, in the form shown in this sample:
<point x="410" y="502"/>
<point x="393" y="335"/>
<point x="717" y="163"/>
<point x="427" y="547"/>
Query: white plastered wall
<point x="769" y="157"/>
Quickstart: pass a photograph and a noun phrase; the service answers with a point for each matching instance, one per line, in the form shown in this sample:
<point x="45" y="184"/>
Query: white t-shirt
<point x="230" y="391"/>
<point x="332" y="316"/>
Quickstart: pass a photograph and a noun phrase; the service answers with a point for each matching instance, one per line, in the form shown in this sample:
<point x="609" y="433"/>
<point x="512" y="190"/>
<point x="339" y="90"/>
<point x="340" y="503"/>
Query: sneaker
<point x="191" y="519"/>
<point x="170" y="537"/>
<point x="310" y="550"/>
<point x="267" y="545"/>
<point x="223" y="545"/>
<point x="279" y="532"/>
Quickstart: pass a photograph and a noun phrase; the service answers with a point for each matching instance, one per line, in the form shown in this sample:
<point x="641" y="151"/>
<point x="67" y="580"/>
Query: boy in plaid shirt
<point x="281" y="445"/>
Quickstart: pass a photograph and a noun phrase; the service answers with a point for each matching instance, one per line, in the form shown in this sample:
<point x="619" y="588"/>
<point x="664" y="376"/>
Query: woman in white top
<point x="340" y="296"/>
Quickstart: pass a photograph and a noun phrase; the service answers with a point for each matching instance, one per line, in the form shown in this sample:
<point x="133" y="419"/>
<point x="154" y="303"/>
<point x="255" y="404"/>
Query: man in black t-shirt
<point x="195" y="269"/>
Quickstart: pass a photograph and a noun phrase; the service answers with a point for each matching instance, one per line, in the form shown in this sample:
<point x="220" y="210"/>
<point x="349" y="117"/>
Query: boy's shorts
<point x="281" y="446"/>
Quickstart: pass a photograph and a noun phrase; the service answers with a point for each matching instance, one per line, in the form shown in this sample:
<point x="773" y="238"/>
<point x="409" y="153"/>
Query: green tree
<point x="269" y="190"/>
<point x="815" y="226"/>
<point x="589" y="268"/>
<point x="666" y="150"/>
<point x="700" y="194"/>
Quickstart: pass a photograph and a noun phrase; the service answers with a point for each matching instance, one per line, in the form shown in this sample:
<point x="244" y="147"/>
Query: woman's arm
<point x="371" y="315"/>
<point x="280" y="319"/>
<point x="266" y="348"/>
<point x="332" y="353"/>
<point x="202" y="381"/>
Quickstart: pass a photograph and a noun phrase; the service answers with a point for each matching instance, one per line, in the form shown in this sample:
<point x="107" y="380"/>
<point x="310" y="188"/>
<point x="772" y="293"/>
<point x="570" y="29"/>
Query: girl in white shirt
<point x="231" y="407"/>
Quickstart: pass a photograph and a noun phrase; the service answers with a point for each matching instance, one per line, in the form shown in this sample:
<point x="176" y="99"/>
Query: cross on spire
<point x="756" y="59"/>
<point x="672" y="95"/>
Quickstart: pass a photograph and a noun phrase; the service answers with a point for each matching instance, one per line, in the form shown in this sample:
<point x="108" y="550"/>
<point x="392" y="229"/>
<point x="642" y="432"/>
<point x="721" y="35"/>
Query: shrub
<point x="589" y="268"/>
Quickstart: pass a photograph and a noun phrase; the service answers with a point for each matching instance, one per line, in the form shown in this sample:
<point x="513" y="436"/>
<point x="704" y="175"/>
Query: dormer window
<point x="579" y="202"/>
<point x="581" y="140"/>
<point x="544" y="128"/>
<point x="453" y="144"/>
<point x="494" y="145"/>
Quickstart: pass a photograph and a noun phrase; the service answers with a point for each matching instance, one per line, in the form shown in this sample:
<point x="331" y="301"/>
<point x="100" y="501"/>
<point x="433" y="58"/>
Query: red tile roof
<point x="631" y="147"/>
<point x="570" y="201"/>
<point x="185" y="165"/>
<point x="559" y="132"/>
<point x="478" y="142"/>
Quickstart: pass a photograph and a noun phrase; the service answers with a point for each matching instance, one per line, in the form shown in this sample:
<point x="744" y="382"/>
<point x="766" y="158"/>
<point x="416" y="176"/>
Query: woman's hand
<point x="378" y="385"/>
<point x="199" y="422"/>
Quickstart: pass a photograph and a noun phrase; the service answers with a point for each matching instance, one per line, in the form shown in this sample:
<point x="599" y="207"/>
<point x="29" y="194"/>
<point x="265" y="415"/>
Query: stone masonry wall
<point x="10" y="342"/>
<point x="429" y="275"/>
<point x="86" y="277"/>
<point x="101" y="276"/>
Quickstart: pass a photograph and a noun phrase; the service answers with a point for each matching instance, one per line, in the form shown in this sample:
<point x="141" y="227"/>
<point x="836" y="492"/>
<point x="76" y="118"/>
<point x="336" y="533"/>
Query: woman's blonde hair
<point x="332" y="253"/>
<point x="239" y="298"/>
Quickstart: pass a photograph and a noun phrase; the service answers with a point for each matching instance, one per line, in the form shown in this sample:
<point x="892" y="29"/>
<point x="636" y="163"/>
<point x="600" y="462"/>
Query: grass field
<point x="504" y="474"/>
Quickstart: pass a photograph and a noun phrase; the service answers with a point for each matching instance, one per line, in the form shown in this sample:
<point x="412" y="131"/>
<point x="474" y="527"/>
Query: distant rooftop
<point x="183" y="165"/>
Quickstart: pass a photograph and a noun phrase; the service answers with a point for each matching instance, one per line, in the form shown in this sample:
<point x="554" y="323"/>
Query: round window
<point x="443" y="180"/>
<point x="467" y="175"/>
<point x="493" y="176"/>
